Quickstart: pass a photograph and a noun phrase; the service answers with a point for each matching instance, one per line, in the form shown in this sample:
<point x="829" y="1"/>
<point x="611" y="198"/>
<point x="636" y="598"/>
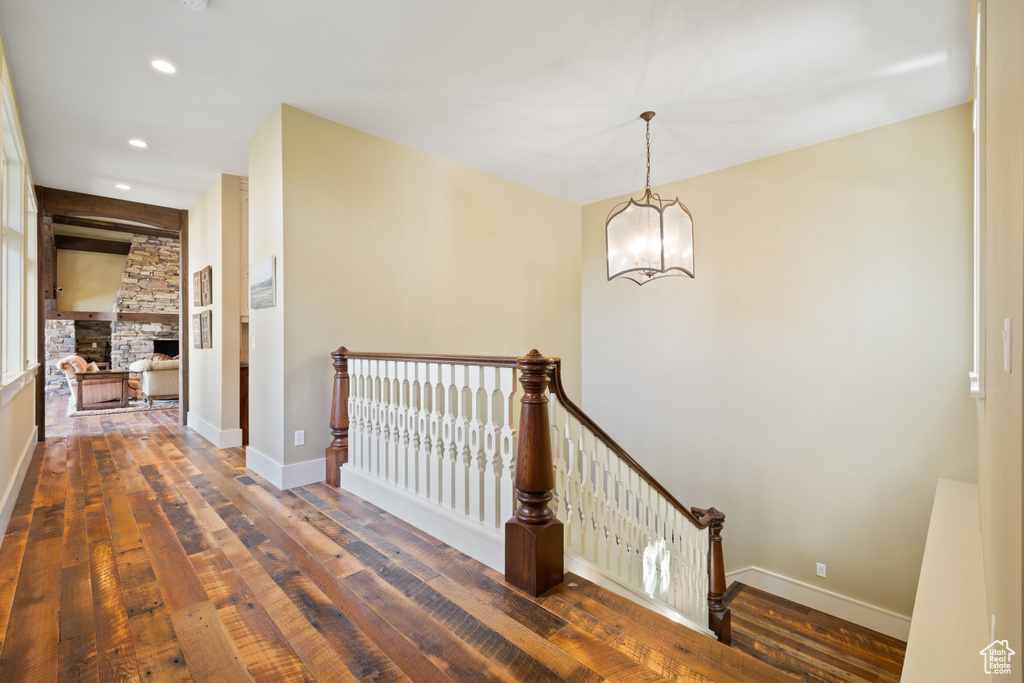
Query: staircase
<point x="528" y="485"/>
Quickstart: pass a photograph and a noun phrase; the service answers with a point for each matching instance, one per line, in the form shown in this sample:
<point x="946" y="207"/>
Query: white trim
<point x="861" y="613"/>
<point x="285" y="476"/>
<point x="16" y="384"/>
<point x="228" y="438"/>
<point x="477" y="541"/>
<point x="14" y="486"/>
<point x="950" y="615"/>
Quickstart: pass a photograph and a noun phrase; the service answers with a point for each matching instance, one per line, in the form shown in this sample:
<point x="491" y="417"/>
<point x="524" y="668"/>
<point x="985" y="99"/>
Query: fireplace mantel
<point x="109" y="316"/>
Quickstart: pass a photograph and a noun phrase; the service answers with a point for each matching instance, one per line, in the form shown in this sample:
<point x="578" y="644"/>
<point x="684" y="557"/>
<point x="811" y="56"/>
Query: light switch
<point x="1006" y="344"/>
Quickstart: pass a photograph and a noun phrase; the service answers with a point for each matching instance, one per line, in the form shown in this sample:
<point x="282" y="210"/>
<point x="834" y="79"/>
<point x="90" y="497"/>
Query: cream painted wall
<point x="17" y="432"/>
<point x="90" y="280"/>
<point x="386" y="248"/>
<point x="266" y="325"/>
<point x="811" y="382"/>
<point x="213" y="239"/>
<point x="18" y="418"/>
<point x="1000" y="472"/>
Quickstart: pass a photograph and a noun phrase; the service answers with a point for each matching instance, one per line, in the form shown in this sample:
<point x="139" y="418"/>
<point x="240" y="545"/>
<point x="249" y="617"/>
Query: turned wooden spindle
<point x="337" y="452"/>
<point x="719" y="615"/>
<point x="534" y="537"/>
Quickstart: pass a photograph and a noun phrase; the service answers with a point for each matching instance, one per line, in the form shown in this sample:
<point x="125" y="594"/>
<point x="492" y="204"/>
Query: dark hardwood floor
<point x="811" y="645"/>
<point x="136" y="551"/>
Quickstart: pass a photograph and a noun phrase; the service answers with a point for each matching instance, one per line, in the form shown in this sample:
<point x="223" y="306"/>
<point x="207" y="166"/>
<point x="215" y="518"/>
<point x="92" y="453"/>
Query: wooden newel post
<point x="719" y="616"/>
<point x="337" y="452"/>
<point x="534" y="542"/>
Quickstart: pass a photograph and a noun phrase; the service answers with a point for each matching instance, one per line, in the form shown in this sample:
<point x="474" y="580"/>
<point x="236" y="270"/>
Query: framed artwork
<point x="206" y="328"/>
<point x="206" y="286"/>
<point x="197" y="299"/>
<point x="197" y="337"/>
<point x="262" y="284"/>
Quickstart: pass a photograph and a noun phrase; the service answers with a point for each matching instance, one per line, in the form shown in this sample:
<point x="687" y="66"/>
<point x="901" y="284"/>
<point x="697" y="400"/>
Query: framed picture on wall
<point x="206" y="286"/>
<point x="206" y="328"/>
<point x="262" y="284"/>
<point x="197" y="299"/>
<point x="197" y="337"/>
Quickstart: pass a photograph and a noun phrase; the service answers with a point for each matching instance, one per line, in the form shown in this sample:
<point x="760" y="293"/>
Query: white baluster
<point x="619" y="503"/>
<point x="375" y="421"/>
<point x="401" y="423"/>
<point x="423" y="430"/>
<point x="507" y="388"/>
<point x="448" y="437"/>
<point x="475" y="463"/>
<point x="460" y="428"/>
<point x="558" y="497"/>
<point x="391" y="422"/>
<point x="436" y="447"/>
<point x="354" y="418"/>
<point x="574" y="486"/>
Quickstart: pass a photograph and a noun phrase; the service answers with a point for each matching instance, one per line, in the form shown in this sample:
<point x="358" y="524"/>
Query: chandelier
<point x="650" y="238"/>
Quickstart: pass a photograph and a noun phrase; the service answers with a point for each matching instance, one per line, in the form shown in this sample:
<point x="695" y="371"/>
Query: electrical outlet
<point x="300" y="437"/>
<point x="94" y="345"/>
<point x="821" y="570"/>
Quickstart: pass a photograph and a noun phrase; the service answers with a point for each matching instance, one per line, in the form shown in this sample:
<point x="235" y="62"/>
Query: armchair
<point x="90" y="389"/>
<point x="159" y="378"/>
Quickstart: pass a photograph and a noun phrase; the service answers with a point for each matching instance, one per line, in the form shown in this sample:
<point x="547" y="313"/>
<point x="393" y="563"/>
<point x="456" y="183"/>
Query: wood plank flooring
<point x="138" y="552"/>
<point x="809" y="644"/>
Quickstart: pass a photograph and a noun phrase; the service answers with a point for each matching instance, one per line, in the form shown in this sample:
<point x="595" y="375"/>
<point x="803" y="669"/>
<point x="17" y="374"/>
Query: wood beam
<point x="67" y="203"/>
<point x="94" y="245"/>
<point x="185" y="345"/>
<point x="78" y="222"/>
<point x="113" y="317"/>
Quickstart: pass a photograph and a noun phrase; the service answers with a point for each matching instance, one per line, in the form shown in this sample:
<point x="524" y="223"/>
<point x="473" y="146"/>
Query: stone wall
<point x="134" y="341"/>
<point x="60" y="342"/>
<point x="92" y="340"/>
<point x="151" y="281"/>
<point x="151" y="284"/>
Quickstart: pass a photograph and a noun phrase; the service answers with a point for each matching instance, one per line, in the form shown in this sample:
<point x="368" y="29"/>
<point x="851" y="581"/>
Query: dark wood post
<point x="534" y="542"/>
<point x="719" y="616"/>
<point x="337" y="452"/>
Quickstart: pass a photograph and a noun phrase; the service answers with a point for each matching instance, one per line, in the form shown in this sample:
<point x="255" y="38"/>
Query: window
<point x="18" y="274"/>
<point x="977" y="375"/>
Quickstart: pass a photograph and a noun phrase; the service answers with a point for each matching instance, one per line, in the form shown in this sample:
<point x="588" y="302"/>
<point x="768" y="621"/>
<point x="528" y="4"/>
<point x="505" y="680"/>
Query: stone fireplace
<point x="151" y="284"/>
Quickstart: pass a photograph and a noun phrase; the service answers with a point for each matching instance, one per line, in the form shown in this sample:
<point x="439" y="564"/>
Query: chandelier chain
<point x="648" y="186"/>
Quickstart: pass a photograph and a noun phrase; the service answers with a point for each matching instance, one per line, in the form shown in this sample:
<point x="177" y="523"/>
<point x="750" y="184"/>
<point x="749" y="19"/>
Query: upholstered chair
<point x="101" y="389"/>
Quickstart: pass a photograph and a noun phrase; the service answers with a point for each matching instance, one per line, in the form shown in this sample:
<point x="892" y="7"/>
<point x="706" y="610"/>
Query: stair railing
<point x="441" y="428"/>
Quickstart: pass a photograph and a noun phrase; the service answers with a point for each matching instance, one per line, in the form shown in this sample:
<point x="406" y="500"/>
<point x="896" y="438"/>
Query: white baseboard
<point x="860" y="613"/>
<point x="285" y="476"/>
<point x="480" y="543"/>
<point x="228" y="438"/>
<point x="14" y="486"/>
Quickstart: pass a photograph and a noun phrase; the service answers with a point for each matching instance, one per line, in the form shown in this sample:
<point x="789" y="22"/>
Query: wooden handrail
<point x="495" y="361"/>
<point x="719" y="615"/>
<point x="556" y="389"/>
<point x="533" y="536"/>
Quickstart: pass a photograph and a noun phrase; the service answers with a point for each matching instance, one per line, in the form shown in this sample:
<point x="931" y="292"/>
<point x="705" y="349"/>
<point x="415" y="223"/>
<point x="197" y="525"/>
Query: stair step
<point x="670" y="649"/>
<point x="809" y="643"/>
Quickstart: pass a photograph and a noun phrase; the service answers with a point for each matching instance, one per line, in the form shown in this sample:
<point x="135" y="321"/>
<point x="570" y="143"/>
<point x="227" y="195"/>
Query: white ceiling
<point x="545" y="93"/>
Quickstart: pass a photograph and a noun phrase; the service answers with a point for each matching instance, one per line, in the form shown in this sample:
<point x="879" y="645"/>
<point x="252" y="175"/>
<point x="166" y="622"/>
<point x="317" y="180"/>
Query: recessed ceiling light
<point x="123" y="186"/>
<point x="161" y="65"/>
<point x="135" y="142"/>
